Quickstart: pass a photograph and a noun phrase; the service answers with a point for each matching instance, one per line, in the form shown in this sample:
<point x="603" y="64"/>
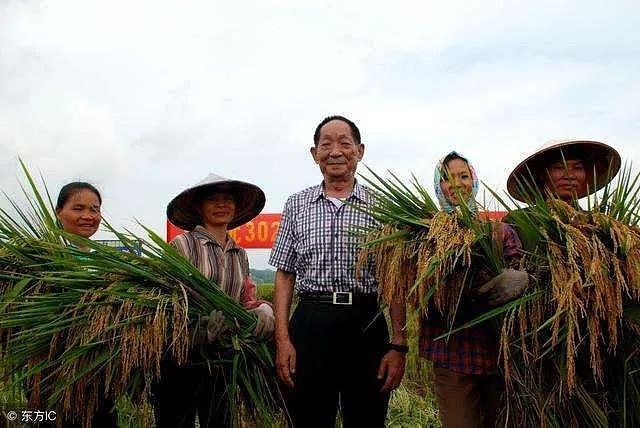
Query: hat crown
<point x="562" y="142"/>
<point x="212" y="179"/>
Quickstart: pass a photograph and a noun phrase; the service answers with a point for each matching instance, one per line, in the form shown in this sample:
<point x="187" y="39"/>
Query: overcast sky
<point x="144" y="98"/>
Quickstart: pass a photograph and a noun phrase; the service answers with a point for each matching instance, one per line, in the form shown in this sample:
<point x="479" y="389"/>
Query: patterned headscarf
<point x="445" y="205"/>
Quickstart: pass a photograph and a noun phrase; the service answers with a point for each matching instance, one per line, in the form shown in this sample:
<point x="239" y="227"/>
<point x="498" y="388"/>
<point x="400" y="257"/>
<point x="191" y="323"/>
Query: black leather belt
<point x="338" y="298"/>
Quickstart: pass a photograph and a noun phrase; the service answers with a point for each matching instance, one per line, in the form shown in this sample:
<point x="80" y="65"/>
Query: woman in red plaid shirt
<point x="466" y="382"/>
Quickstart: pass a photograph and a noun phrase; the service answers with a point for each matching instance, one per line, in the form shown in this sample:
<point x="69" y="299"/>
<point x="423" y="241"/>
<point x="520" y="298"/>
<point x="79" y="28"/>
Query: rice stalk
<point x="563" y="352"/>
<point x="78" y="326"/>
<point x="423" y="256"/>
<point x="568" y="346"/>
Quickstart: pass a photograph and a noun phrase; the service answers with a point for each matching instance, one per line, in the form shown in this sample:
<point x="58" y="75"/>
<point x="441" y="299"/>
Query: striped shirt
<point x="319" y="242"/>
<point x="227" y="267"/>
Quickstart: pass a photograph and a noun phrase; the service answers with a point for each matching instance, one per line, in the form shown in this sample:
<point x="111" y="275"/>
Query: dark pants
<point x="338" y="350"/>
<point x="466" y="400"/>
<point x="184" y="391"/>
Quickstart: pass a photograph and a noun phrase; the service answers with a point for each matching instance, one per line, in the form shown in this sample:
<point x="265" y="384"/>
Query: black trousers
<point x="338" y="351"/>
<point x="184" y="391"/>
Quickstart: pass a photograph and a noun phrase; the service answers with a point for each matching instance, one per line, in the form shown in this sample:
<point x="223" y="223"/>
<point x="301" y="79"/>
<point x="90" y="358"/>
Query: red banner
<point x="261" y="231"/>
<point x="493" y="215"/>
<point x="258" y="233"/>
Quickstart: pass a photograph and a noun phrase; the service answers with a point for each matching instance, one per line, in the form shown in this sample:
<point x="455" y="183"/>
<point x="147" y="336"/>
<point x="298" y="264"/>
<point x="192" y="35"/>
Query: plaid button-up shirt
<point x="319" y="242"/>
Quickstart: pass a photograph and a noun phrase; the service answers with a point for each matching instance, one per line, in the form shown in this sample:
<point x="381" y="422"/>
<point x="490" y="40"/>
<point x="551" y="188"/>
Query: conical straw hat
<point x="183" y="210"/>
<point x="597" y="156"/>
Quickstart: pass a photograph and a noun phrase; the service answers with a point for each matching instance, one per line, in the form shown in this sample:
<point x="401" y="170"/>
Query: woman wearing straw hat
<point x="567" y="169"/>
<point x="546" y="369"/>
<point x="207" y="211"/>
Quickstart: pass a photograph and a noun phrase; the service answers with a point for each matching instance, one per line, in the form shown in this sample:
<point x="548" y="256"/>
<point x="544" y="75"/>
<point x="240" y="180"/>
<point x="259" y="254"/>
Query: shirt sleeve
<point x="249" y="295"/>
<point x="511" y="245"/>
<point x="283" y="255"/>
<point x="180" y="244"/>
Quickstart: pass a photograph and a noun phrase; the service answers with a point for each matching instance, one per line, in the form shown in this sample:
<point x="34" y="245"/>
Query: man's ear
<point x="360" y="151"/>
<point x="313" y="150"/>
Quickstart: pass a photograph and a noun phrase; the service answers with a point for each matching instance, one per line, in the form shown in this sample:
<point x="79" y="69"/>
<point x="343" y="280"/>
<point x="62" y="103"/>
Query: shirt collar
<point x="74" y="246"/>
<point x="358" y="192"/>
<point x="204" y="235"/>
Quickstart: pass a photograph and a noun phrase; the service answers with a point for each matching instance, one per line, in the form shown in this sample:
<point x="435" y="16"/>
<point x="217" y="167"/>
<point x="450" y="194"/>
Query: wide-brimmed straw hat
<point x="183" y="210"/>
<point x="599" y="158"/>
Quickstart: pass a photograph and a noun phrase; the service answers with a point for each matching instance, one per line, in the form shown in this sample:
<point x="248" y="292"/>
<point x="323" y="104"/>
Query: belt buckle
<point x="342" y="298"/>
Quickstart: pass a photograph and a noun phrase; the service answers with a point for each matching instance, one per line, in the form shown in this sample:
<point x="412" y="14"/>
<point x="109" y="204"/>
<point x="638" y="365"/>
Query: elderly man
<point x="335" y="350"/>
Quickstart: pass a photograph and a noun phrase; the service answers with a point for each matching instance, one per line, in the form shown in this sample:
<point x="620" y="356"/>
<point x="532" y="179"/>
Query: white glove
<point x="216" y="325"/>
<point x="266" y="322"/>
<point x="506" y="286"/>
<point x="210" y="327"/>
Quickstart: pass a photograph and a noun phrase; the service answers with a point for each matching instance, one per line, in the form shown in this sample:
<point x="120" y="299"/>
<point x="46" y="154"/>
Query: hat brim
<point x="183" y="210"/>
<point x="602" y="164"/>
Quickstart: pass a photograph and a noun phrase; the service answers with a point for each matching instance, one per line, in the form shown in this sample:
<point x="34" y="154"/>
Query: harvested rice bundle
<point x="569" y="355"/>
<point x="417" y="247"/>
<point x="76" y="326"/>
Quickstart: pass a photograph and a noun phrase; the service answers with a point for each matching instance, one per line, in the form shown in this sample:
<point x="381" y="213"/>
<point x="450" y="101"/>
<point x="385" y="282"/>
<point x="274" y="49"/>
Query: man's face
<point x="337" y="153"/>
<point x="567" y="179"/>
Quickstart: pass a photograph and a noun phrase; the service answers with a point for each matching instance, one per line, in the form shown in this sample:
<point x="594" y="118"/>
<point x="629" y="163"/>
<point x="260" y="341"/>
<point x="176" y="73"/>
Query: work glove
<point x="266" y="322"/>
<point x="210" y="327"/>
<point x="504" y="287"/>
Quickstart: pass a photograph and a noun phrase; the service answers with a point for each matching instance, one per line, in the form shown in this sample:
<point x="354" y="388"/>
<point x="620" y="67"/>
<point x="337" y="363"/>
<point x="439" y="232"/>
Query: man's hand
<point x="266" y="322"/>
<point x="286" y="361"/>
<point x="391" y="370"/>
<point x="505" y="287"/>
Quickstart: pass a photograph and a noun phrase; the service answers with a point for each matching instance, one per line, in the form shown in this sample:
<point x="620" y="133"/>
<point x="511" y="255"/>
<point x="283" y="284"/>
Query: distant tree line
<point x="263" y="276"/>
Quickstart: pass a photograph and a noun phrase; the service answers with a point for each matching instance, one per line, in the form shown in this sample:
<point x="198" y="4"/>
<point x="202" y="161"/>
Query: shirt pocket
<point x="352" y="240"/>
<point x="313" y="245"/>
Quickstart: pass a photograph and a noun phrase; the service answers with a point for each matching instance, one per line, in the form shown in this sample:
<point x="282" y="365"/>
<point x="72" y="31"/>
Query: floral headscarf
<point x="445" y="205"/>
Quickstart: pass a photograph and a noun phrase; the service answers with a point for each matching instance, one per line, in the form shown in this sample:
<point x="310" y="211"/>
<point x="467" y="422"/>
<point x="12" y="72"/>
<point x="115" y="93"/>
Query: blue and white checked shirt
<point x="319" y="242"/>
